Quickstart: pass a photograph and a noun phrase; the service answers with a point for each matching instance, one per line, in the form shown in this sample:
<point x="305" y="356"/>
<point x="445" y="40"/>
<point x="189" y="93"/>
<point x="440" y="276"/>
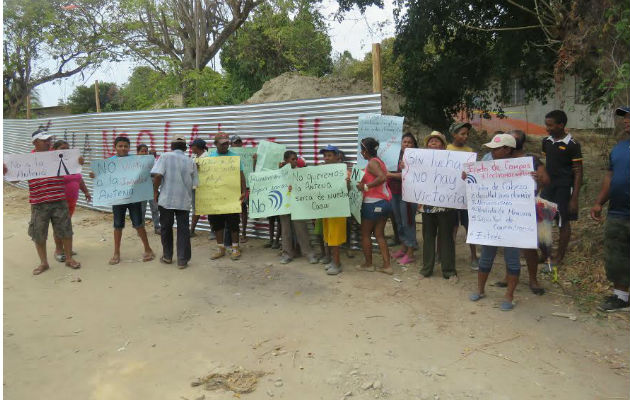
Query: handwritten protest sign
<point x="269" y="193"/>
<point x="269" y="155"/>
<point x="122" y="180"/>
<point x="320" y="192"/>
<point x="434" y="177"/>
<point x="501" y="203"/>
<point x="247" y="159"/>
<point x="387" y="130"/>
<point x="355" y="195"/>
<point x="219" y="189"/>
<point x="41" y="164"/>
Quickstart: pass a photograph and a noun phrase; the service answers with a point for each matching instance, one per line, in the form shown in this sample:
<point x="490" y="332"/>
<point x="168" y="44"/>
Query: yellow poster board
<point x="219" y="189"/>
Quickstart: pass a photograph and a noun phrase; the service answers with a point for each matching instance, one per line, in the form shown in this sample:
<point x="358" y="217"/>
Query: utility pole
<point x="98" y="101"/>
<point x="377" y="80"/>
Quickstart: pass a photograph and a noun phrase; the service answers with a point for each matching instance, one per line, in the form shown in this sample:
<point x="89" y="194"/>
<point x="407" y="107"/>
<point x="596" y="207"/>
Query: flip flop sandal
<point x="40" y="269"/>
<point x="476" y="296"/>
<point x="500" y="284"/>
<point x="507" y="305"/>
<point x="114" y="260"/>
<point x="165" y="261"/>
<point x="146" y="258"/>
<point x="74" y="265"/>
<point x="60" y="257"/>
<point x="537" y="291"/>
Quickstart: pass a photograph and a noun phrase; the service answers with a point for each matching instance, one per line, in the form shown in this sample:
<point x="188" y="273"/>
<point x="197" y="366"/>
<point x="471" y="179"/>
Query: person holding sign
<point x="175" y="175"/>
<point x="334" y="228"/>
<point x="73" y="183"/>
<point x="48" y="205"/>
<point x="616" y="191"/>
<point x="226" y="221"/>
<point x="237" y="142"/>
<point x="121" y="145"/>
<point x="502" y="146"/>
<point x="438" y="224"/>
<point x="297" y="227"/>
<point x="404" y="212"/>
<point x="459" y="132"/>
<point x="198" y="149"/>
<point x="376" y="206"/>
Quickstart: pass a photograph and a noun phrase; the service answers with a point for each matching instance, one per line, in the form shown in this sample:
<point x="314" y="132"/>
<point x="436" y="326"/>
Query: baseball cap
<point x="40" y="134"/>
<point x="235" y="138"/>
<point x="221" y="138"/>
<point x="435" y="134"/>
<point x="330" y="147"/>
<point x="199" y="143"/>
<point x="457" y="126"/>
<point x="503" y="139"/>
<point x="622" y="111"/>
<point x="300" y="162"/>
<point x="178" y="138"/>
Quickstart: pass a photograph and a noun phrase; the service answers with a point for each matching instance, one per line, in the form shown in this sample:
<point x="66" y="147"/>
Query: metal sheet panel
<point x="302" y="125"/>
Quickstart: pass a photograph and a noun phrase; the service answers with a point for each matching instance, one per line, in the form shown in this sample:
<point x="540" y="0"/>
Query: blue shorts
<point x="135" y="213"/>
<point x="374" y="211"/>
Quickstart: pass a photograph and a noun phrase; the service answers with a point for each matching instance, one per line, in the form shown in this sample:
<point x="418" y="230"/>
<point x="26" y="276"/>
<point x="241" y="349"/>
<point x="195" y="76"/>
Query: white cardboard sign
<point x="501" y="203"/>
<point x="42" y="164"/>
<point x="434" y="177"/>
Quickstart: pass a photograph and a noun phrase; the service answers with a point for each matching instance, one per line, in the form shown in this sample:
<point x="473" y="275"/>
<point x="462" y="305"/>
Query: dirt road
<point x="146" y="330"/>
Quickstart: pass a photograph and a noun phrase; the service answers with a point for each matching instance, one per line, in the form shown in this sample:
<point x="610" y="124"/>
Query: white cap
<point x="40" y="134"/>
<point x="501" y="140"/>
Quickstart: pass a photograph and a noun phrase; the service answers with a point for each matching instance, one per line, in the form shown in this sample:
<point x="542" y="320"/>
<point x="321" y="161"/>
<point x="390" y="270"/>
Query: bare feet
<point x="72" y="263"/>
<point x="40" y="269"/>
<point x="388" y="270"/>
<point x="115" y="259"/>
<point x="365" y="267"/>
<point x="148" y="256"/>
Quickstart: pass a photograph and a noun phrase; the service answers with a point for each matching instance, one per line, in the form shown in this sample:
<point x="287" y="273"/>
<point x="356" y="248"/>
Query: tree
<point x="147" y="87"/>
<point x="274" y="42"/>
<point x="180" y="35"/>
<point x="45" y="40"/>
<point x="453" y="51"/>
<point x="83" y="99"/>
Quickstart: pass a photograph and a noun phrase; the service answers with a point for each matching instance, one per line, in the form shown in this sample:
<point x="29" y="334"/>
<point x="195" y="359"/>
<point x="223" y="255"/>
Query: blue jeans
<point x="510" y="254"/>
<point x="405" y="217"/>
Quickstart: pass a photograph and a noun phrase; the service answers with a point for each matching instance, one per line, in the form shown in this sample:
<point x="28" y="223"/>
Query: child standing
<point x="459" y="132"/>
<point x="334" y="229"/>
<point x="143" y="150"/>
<point x="300" y="229"/>
<point x="72" y="184"/>
<point x="121" y="145"/>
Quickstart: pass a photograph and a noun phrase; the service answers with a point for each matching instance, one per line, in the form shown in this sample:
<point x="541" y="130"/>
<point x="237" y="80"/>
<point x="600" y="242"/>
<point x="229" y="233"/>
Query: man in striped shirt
<point x="48" y="205"/>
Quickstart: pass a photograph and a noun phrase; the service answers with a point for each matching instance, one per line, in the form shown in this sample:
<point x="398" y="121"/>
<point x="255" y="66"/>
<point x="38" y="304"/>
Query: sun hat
<point x="437" y="135"/>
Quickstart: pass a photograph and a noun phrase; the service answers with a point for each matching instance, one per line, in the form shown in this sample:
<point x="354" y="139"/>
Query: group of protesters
<point x="558" y="176"/>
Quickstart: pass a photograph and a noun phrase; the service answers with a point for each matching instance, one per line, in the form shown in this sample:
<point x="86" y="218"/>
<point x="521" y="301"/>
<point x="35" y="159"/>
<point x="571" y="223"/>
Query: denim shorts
<point x="375" y="211"/>
<point x="135" y="214"/>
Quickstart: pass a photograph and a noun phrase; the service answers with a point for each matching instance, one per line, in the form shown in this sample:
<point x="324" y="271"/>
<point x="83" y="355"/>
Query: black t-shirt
<point x="560" y="156"/>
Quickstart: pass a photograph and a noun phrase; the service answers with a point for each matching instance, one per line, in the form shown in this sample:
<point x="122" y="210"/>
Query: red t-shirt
<point x="46" y="190"/>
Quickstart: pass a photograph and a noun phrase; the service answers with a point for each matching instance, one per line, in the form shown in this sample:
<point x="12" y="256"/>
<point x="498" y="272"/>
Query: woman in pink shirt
<point x="376" y="206"/>
<point x="72" y="183"/>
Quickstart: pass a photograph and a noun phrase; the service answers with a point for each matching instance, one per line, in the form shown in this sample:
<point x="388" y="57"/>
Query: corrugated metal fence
<point x="302" y="125"/>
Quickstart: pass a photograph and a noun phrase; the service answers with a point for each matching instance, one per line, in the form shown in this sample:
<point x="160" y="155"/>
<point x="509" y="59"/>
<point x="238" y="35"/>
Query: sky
<point x="355" y="33"/>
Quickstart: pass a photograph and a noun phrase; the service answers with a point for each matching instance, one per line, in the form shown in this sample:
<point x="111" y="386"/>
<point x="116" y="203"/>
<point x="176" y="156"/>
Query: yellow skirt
<point x="335" y="231"/>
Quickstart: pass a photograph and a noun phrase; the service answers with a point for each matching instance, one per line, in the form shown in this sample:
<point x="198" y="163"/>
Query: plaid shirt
<point x="179" y="176"/>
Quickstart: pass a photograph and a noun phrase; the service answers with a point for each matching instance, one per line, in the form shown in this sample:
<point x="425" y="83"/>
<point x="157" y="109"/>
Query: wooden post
<point x="98" y="101"/>
<point x="28" y="106"/>
<point x="377" y="80"/>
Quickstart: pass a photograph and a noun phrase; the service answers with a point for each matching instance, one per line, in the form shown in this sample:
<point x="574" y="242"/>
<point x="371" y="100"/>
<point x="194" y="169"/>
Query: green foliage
<point x="46" y="40"/>
<point x="346" y="5"/>
<point x="346" y="66"/>
<point x="448" y="67"/>
<point x="274" y="42"/>
<point x="83" y="99"/>
<point x="147" y="88"/>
